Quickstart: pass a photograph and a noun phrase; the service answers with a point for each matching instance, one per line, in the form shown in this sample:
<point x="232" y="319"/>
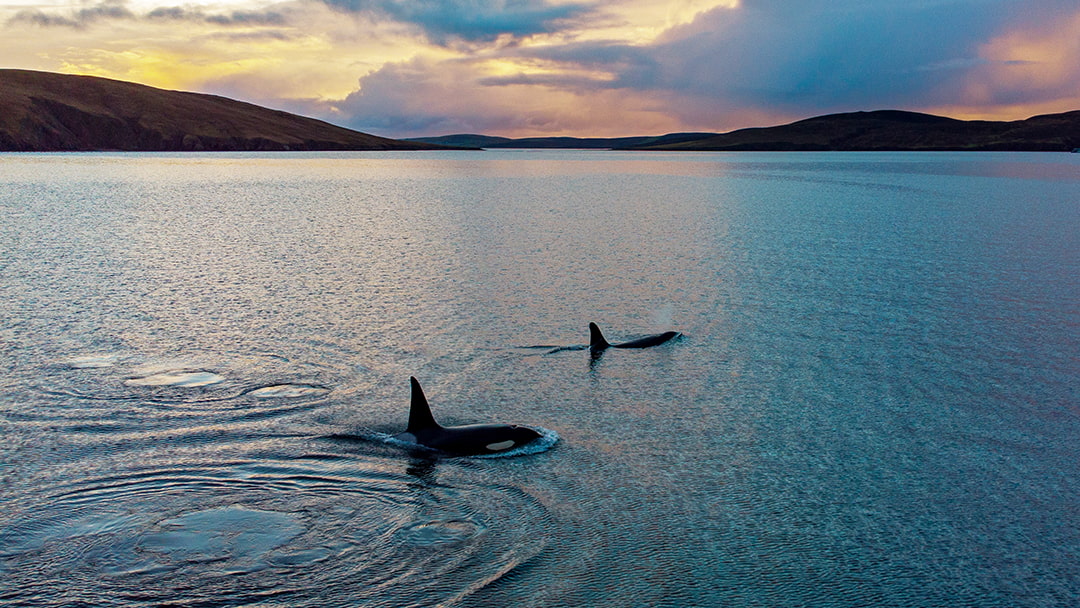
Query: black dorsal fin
<point x="419" y="412"/>
<point x="596" y="339"/>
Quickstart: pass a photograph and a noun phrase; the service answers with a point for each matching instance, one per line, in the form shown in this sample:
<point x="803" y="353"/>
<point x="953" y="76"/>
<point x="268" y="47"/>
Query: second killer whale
<point x="598" y="344"/>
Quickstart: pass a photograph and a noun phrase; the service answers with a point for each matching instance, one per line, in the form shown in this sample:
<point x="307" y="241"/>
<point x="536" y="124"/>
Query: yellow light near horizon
<point x="643" y="21"/>
<point x="281" y="67"/>
<point x="316" y="54"/>
<point x="163" y="68"/>
<point x="507" y="67"/>
<point x="503" y="67"/>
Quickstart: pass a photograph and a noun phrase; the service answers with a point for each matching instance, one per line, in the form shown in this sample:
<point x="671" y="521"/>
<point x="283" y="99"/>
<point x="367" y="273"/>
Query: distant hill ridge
<point x="879" y="130"/>
<point x="45" y="111"/>
<point x="580" y="143"/>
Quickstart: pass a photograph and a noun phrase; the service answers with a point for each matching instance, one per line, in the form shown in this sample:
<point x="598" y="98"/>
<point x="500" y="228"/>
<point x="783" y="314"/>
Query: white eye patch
<point x="502" y="445"/>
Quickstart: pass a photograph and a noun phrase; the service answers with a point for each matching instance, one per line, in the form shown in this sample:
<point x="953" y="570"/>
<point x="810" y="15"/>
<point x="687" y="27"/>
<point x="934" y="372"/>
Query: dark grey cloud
<point x="828" y="56"/>
<point x="113" y="10"/>
<point x="42" y="19"/>
<point x="246" y="36"/>
<point x="109" y="10"/>
<point x="174" y="13"/>
<point x="177" y="13"/>
<point x="446" y="21"/>
<point x="248" y="18"/>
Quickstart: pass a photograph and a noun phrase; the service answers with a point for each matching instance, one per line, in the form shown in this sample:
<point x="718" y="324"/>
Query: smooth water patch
<point x="235" y="534"/>
<point x="93" y="361"/>
<point x="184" y="379"/>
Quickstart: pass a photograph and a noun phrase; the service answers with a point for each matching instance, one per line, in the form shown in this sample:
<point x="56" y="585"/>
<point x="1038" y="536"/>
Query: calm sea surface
<point x="876" y="400"/>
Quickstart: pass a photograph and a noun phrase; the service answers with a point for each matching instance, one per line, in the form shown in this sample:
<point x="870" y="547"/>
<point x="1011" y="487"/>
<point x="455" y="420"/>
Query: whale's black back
<point x="598" y="343"/>
<point x="462" y="440"/>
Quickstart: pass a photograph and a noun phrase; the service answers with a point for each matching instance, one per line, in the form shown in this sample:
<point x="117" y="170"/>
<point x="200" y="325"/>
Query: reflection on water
<point x="874" y="402"/>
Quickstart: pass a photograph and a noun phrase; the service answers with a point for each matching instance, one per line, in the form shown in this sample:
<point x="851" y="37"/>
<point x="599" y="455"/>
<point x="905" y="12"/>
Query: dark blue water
<point x="876" y="400"/>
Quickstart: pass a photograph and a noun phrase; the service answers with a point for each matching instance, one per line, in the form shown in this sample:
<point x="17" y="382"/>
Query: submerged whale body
<point x="597" y="343"/>
<point x="465" y="440"/>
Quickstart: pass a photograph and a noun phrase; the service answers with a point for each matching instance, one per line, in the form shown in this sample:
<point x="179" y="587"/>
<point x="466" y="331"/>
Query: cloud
<point x="827" y="56"/>
<point x="444" y="21"/>
<point x="195" y="14"/>
<point x="1033" y="65"/>
<point x="117" y="10"/>
<point x="426" y="97"/>
<point x="108" y="10"/>
<point x="856" y="55"/>
<point x="248" y="18"/>
<point x="623" y="65"/>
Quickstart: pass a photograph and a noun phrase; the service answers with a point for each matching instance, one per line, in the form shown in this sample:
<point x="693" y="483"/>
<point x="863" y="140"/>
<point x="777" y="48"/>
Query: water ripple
<point x="260" y="385"/>
<point x="241" y="530"/>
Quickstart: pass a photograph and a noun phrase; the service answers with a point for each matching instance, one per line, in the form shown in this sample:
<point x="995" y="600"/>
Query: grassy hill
<point x="44" y="111"/>
<point x="897" y="130"/>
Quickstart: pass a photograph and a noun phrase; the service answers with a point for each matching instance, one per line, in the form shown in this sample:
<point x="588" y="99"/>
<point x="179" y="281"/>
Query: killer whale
<point x="597" y="343"/>
<point x="465" y="440"/>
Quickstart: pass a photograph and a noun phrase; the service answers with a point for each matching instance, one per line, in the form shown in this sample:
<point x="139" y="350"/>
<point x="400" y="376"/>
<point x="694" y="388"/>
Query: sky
<point x="588" y="68"/>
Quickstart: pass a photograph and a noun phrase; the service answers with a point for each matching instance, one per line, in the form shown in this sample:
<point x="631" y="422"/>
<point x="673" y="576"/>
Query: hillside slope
<point x="44" y="111"/>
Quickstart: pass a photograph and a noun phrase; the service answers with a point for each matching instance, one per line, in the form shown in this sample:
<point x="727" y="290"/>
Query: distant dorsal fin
<point x="419" y="411"/>
<point x="596" y="339"/>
